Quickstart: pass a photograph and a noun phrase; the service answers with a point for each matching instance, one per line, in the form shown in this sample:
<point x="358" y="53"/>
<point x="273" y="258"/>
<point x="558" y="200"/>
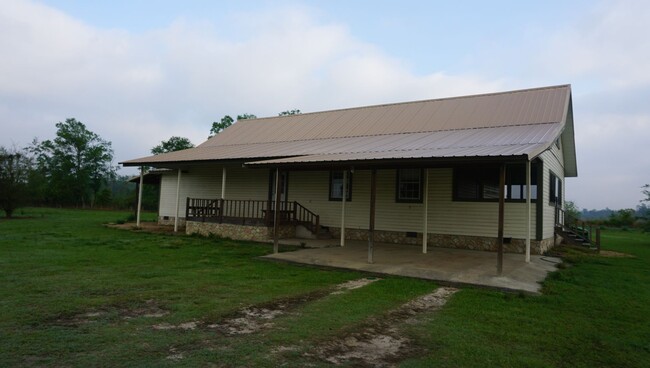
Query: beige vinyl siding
<point x="242" y="183"/>
<point x="200" y="182"/>
<point x="205" y="182"/>
<point x="445" y="215"/>
<point x="553" y="160"/>
<point x="311" y="189"/>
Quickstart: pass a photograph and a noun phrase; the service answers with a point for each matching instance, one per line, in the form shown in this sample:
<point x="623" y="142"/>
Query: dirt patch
<point x="76" y="320"/>
<point x="174" y="354"/>
<point x="613" y="254"/>
<point x="354" y="284"/>
<point x="381" y="343"/>
<point x="255" y="318"/>
<point x="150" y="309"/>
<point x="192" y="325"/>
<point x="149" y="227"/>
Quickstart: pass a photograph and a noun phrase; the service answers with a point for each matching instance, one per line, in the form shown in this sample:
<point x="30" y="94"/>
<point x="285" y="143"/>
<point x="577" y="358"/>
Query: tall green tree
<point x="15" y="166"/>
<point x="246" y="116"/>
<point x="172" y="144"/>
<point x="646" y="193"/>
<point x="226" y="121"/>
<point x="290" y="112"/>
<point x="218" y="127"/>
<point x="77" y="163"/>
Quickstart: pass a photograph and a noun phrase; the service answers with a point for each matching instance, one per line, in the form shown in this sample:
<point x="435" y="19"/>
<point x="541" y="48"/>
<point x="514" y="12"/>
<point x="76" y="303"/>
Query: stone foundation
<point x="448" y="241"/>
<point x="169" y="220"/>
<point x="239" y="232"/>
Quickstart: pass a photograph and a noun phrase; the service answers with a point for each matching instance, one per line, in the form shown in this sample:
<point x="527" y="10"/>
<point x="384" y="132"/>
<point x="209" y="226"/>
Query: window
<point x="482" y="183"/>
<point x="336" y="186"/>
<point x="409" y="185"/>
<point x="554" y="189"/>
<point x="516" y="182"/>
<point x="475" y="183"/>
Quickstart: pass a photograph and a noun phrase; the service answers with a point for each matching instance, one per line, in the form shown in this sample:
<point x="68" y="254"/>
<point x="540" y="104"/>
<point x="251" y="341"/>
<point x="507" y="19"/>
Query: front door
<point x="284" y="187"/>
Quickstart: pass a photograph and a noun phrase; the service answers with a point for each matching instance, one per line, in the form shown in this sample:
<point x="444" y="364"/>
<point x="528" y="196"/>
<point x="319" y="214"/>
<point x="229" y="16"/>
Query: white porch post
<point x="528" y="207"/>
<point x="276" y="211"/>
<point x="178" y="198"/>
<point x="137" y="221"/>
<point x="223" y="183"/>
<point x="371" y="227"/>
<point x="425" y="198"/>
<point x="343" y="198"/>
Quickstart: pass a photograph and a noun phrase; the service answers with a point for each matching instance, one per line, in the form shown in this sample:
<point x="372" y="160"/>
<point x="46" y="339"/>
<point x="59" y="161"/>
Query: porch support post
<point x="343" y="198"/>
<point x="528" y="207"/>
<point x="502" y="184"/>
<point x="139" y="209"/>
<point x="371" y="227"/>
<point x="425" y="217"/>
<point x="178" y="198"/>
<point x="223" y="183"/>
<point x="276" y="212"/>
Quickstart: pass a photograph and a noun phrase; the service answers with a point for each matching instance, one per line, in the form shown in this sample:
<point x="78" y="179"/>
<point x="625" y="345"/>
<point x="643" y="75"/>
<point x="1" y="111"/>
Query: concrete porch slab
<point x="453" y="266"/>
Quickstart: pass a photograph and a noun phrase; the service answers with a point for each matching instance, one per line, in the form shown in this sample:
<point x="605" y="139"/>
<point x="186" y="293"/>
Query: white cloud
<point x="137" y="89"/>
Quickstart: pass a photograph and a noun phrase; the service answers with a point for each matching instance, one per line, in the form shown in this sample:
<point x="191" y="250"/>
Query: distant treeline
<point x="638" y="217"/>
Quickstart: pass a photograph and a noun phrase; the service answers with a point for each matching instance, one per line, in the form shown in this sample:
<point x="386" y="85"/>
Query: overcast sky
<point x="137" y="72"/>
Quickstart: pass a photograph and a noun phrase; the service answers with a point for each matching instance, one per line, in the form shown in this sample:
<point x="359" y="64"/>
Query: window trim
<point x="348" y="198"/>
<point x="397" y="181"/>
<point x="553" y="197"/>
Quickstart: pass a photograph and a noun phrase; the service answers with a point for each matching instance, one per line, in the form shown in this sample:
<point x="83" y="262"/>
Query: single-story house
<point x="478" y="172"/>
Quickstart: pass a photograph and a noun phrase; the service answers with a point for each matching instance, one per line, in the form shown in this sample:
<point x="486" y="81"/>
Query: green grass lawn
<point x="75" y="293"/>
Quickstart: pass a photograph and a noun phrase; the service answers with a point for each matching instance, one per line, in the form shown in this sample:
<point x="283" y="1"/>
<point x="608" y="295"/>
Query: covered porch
<point x="445" y="265"/>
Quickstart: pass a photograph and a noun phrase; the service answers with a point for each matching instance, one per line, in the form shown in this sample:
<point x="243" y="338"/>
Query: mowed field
<point x="76" y="293"/>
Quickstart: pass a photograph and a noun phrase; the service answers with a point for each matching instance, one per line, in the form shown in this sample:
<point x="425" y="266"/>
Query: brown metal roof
<point x="521" y="122"/>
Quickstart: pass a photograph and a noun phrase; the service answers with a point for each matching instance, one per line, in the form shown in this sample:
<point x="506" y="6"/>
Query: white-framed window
<point x="409" y="185"/>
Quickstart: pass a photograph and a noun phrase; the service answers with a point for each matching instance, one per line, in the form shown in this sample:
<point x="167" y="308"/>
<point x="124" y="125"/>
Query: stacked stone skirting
<point x="264" y="233"/>
<point x="239" y="232"/>
<point x="170" y="220"/>
<point x="448" y="241"/>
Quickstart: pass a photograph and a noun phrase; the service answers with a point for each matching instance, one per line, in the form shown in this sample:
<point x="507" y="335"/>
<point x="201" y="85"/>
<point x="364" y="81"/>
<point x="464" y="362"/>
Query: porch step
<point x="303" y="232"/>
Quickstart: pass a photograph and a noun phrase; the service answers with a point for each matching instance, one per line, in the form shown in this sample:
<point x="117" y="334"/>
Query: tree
<point x="15" y="166"/>
<point x="246" y="116"/>
<point x="218" y="127"/>
<point x="172" y="144"/>
<point x="77" y="163"/>
<point x="290" y="112"/>
<point x="572" y="209"/>
<point x="646" y="193"/>
<point x="226" y="121"/>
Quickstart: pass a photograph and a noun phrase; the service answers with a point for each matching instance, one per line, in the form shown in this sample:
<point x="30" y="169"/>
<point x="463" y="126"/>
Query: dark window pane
<point x="409" y="184"/>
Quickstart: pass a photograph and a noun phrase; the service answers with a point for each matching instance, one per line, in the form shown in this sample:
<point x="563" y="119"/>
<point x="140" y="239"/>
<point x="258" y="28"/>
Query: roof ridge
<point x="408" y="102"/>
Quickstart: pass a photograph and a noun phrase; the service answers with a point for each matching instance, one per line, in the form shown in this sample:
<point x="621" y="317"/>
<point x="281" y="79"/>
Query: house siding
<point x="311" y="189"/>
<point x="445" y="215"/>
<point x="205" y="182"/>
<point x="553" y="161"/>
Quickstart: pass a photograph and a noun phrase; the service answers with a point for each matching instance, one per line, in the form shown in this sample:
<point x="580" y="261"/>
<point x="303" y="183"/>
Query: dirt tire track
<point x="381" y="343"/>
